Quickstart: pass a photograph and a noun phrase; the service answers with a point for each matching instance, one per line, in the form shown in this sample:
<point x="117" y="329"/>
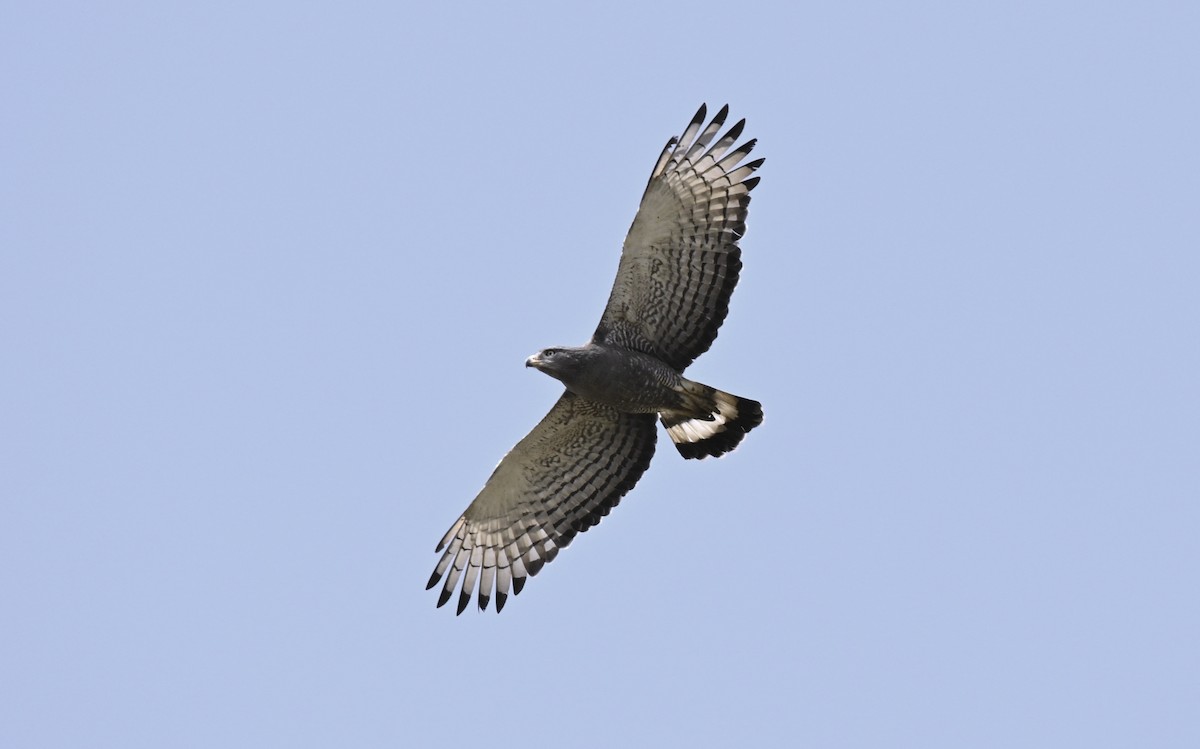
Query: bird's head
<point x="543" y="359"/>
<point x="559" y="363"/>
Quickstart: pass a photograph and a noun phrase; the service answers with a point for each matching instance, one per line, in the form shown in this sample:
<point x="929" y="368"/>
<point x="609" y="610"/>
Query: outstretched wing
<point x="560" y="480"/>
<point x="681" y="259"/>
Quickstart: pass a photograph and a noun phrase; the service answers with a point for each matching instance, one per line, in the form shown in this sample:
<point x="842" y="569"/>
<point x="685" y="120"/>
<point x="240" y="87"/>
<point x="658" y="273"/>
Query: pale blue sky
<point x="268" y="276"/>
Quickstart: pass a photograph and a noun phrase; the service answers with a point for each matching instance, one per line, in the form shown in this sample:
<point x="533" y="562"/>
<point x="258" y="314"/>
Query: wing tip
<point x="735" y="132"/>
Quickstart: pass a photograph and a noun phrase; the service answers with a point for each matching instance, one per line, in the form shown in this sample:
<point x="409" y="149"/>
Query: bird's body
<point x="616" y="376"/>
<point x="631" y="381"/>
<point x="678" y="269"/>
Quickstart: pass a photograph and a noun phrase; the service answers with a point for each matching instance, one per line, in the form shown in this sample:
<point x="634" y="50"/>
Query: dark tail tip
<point x="698" y="443"/>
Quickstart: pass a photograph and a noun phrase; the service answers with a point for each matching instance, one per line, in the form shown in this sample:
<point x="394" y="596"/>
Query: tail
<point x="709" y="421"/>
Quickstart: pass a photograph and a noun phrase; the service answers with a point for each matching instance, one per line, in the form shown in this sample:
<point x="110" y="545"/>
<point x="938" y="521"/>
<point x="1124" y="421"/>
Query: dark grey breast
<point x="681" y="259"/>
<point x="558" y="481"/>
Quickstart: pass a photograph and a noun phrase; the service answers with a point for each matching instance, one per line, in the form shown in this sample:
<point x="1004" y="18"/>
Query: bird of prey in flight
<point x="679" y="264"/>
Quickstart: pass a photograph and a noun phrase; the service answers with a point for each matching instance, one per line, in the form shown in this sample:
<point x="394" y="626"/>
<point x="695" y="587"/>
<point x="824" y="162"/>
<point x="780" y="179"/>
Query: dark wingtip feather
<point x="736" y="131"/>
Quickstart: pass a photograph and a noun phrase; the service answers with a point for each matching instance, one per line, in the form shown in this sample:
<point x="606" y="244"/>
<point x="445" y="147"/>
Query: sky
<point x="269" y="273"/>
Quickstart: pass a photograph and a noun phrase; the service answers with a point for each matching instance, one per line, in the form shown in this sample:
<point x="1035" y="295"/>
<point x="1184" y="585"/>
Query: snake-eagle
<point x="678" y="268"/>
